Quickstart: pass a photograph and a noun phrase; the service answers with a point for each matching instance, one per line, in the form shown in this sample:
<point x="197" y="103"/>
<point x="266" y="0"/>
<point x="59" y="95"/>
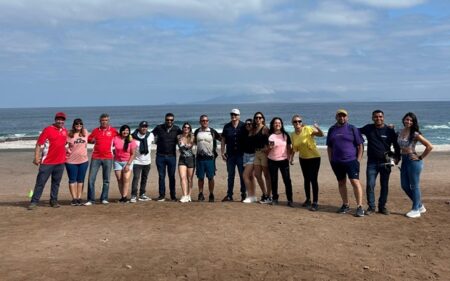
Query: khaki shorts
<point x="260" y="158"/>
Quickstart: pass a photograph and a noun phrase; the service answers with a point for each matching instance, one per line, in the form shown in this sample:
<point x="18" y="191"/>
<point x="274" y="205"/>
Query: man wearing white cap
<point x="232" y="152"/>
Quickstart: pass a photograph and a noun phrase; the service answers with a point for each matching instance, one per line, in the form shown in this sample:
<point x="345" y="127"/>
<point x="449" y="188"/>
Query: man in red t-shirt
<point x="102" y="138"/>
<point x="50" y="156"/>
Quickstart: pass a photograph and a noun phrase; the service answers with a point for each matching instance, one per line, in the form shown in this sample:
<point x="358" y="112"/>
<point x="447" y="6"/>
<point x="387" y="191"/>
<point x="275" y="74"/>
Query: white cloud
<point x="338" y="14"/>
<point x="390" y="4"/>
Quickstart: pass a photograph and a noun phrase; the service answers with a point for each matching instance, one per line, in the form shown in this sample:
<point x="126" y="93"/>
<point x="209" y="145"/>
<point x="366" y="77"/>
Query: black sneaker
<point x="74" y="202"/>
<point x="359" y="212"/>
<point x="274" y="202"/>
<point x="314" y="207"/>
<point x="290" y="204"/>
<point x="54" y="204"/>
<point x="384" y="211"/>
<point x="211" y="197"/>
<point x="306" y="204"/>
<point x="370" y="211"/>
<point x="243" y="196"/>
<point x="79" y="202"/>
<point x="227" y="199"/>
<point x="343" y="209"/>
<point x="173" y="199"/>
<point x="161" y="198"/>
<point x="201" y="197"/>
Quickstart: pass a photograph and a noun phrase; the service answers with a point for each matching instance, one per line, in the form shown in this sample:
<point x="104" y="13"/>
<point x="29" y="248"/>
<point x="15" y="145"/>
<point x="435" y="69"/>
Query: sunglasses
<point x="297" y="122"/>
<point x="259" y="117"/>
<point x="248" y="124"/>
<point x="169" y="120"/>
<point x="78" y="124"/>
<point x="186" y="127"/>
<point x="204" y="120"/>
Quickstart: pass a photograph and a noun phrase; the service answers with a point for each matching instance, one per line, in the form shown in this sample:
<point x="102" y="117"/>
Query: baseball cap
<point x="342" y="111"/>
<point x="235" y="111"/>
<point x="143" y="124"/>
<point x="61" y="115"/>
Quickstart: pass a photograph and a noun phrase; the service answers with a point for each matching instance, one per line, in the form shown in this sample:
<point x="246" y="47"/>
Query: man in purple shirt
<point x="345" y="149"/>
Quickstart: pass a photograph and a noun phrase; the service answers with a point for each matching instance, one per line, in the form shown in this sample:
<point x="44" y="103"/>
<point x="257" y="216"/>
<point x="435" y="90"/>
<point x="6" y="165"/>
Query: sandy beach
<point x="222" y="241"/>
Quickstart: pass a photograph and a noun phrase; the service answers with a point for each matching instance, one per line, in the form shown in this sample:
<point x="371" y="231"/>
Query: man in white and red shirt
<point x="50" y="156"/>
<point x="102" y="138"/>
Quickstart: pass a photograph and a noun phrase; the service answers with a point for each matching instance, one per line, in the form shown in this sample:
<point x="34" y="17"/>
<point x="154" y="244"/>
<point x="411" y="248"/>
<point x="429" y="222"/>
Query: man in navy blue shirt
<point x="232" y="152"/>
<point x="380" y="139"/>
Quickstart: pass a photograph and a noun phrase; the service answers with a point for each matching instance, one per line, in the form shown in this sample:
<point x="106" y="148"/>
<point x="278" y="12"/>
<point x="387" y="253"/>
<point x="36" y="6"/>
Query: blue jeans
<point x="372" y="171"/>
<point x="410" y="178"/>
<point x="93" y="170"/>
<point x="234" y="161"/>
<point x="56" y="171"/>
<point x="164" y="162"/>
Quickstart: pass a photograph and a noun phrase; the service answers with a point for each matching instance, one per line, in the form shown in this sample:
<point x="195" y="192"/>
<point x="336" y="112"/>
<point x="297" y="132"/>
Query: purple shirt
<point x="344" y="141"/>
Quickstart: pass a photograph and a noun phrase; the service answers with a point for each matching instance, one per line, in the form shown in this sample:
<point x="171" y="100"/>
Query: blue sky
<point x="105" y="52"/>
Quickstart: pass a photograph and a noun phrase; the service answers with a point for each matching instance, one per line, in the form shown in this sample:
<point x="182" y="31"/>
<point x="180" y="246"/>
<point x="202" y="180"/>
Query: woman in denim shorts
<point x="247" y="144"/>
<point x="124" y="151"/>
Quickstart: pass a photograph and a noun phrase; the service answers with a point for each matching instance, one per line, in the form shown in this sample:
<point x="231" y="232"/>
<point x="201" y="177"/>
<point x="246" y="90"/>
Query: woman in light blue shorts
<point x="247" y="141"/>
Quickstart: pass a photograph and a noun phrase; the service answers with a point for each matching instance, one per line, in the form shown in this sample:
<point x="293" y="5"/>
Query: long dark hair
<point x="254" y="118"/>
<point x="73" y="130"/>
<point x="189" y="137"/>
<point x="415" y="125"/>
<point x="127" y="139"/>
<point x="272" y="129"/>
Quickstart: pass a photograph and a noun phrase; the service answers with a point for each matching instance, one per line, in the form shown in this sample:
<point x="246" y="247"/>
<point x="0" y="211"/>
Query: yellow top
<point x="304" y="143"/>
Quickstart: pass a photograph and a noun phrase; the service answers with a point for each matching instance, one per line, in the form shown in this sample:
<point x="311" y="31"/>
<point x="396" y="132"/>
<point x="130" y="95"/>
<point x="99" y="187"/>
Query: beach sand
<point x="222" y="241"/>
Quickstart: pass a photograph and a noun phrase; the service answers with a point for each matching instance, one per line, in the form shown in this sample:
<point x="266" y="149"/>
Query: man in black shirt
<point x="380" y="139"/>
<point x="232" y="152"/>
<point x="166" y="141"/>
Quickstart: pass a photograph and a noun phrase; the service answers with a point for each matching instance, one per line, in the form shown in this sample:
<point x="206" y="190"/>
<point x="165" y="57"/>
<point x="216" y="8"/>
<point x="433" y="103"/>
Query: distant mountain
<point x="279" y="98"/>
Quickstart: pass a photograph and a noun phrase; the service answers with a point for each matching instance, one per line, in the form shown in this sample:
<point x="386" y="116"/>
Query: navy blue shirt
<point x="380" y="140"/>
<point x="232" y="137"/>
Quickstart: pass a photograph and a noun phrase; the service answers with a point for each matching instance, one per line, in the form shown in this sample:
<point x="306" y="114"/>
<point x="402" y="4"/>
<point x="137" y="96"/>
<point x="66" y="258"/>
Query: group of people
<point x="257" y="151"/>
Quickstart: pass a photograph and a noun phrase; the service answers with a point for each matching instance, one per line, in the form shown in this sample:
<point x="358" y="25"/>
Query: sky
<point x="148" y="52"/>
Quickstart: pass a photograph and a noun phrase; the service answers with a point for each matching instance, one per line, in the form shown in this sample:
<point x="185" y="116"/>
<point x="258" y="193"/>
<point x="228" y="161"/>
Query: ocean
<point x="434" y="117"/>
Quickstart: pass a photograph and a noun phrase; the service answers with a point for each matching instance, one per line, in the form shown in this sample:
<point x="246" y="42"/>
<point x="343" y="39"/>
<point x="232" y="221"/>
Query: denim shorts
<point x="207" y="167"/>
<point x="249" y="159"/>
<point x="342" y="169"/>
<point x="119" y="165"/>
<point x="77" y="172"/>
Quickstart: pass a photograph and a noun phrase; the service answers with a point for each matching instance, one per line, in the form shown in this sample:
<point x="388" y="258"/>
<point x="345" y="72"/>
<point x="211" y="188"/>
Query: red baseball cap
<point x="61" y="115"/>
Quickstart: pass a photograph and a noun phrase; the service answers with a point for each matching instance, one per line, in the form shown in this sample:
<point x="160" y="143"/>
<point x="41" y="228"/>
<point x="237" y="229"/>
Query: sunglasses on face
<point x="259" y="117"/>
<point x="76" y="124"/>
<point x="248" y="124"/>
<point x="169" y="120"/>
<point x="186" y="127"/>
<point x="297" y="121"/>
<point x="204" y="120"/>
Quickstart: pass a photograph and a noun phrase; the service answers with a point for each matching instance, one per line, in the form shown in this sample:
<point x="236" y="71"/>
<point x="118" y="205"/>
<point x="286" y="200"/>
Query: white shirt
<point x="147" y="158"/>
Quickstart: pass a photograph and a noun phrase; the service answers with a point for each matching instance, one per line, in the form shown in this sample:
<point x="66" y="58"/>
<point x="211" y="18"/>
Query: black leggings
<point x="310" y="169"/>
<point x="283" y="166"/>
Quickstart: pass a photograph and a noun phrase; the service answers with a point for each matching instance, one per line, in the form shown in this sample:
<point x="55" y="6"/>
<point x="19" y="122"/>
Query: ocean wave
<point x="437" y="127"/>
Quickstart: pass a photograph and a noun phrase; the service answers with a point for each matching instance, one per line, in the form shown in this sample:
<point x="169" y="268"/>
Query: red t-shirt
<point x="103" y="142"/>
<point x="54" y="141"/>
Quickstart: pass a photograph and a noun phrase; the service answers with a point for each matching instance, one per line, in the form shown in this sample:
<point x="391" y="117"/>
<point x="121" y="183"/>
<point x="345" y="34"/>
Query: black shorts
<point x="342" y="169"/>
<point x="187" y="161"/>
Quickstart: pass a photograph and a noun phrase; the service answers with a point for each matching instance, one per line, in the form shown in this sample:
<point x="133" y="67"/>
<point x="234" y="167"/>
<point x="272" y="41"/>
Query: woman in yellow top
<point x="304" y="143"/>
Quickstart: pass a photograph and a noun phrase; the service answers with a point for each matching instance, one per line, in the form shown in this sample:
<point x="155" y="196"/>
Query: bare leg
<point x="357" y="189"/>
<point x="249" y="180"/>
<point x="182" y="170"/>
<point x="119" y="181"/>
<point x="343" y="191"/>
<point x="258" y="171"/>
<point x="80" y="186"/>
<point x="73" y="190"/>
<point x="190" y="182"/>
<point x="126" y="176"/>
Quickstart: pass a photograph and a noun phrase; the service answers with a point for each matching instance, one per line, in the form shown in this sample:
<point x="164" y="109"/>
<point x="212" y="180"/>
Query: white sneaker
<point x="413" y="214"/>
<point x="250" y="199"/>
<point x="189" y="198"/>
<point x="88" y="203"/>
<point x="133" y="199"/>
<point x="422" y="209"/>
<point x="184" y="199"/>
<point x="144" y="197"/>
<point x="104" y="202"/>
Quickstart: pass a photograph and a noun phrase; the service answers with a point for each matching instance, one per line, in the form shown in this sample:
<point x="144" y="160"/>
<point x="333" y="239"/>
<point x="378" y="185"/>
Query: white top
<point x="147" y="158"/>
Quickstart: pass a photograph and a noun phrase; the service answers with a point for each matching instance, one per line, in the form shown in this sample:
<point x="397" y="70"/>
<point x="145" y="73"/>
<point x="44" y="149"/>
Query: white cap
<point x="235" y="111"/>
